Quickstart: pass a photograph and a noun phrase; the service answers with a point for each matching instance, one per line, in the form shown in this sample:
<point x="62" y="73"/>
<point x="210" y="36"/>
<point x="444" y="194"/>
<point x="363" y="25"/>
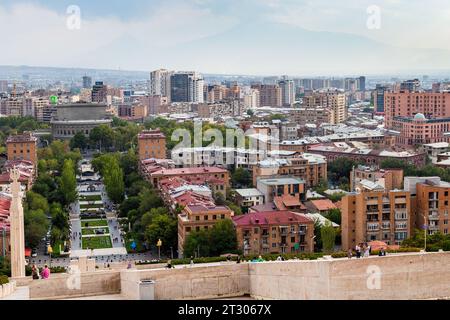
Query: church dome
<point x="419" y="116"/>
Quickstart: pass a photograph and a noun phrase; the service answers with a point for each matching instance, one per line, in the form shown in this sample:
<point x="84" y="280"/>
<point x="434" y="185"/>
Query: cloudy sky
<point x="260" y="37"/>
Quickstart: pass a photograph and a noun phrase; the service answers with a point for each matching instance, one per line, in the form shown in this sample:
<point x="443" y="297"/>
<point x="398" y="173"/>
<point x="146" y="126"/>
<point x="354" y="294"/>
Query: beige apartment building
<point x="334" y="100"/>
<point x="309" y="167"/>
<point x="316" y="115"/>
<point x="376" y="215"/>
<point x="433" y="206"/>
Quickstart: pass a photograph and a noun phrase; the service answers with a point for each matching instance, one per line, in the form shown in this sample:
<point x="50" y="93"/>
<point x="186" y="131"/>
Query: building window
<point x="197" y="218"/>
<point x="274" y="244"/>
<point x="205" y="218"/>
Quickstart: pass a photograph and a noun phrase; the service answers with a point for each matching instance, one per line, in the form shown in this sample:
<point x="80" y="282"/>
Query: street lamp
<point x="159" y="244"/>
<point x="425" y="228"/>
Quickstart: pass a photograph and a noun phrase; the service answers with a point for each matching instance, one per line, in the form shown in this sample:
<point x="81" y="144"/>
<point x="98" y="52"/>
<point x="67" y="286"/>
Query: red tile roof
<point x="323" y="204"/>
<point x="270" y="218"/>
<point x="189" y="171"/>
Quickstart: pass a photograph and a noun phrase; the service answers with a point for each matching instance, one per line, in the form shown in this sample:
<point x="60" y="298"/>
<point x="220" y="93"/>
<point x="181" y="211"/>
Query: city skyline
<point x="296" y="38"/>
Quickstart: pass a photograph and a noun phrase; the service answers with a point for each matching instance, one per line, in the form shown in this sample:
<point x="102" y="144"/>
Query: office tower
<point x="87" y="82"/>
<point x="362" y="83"/>
<point x="186" y="87"/>
<point x="378" y="98"/>
<point x="287" y="92"/>
<point x="160" y="83"/>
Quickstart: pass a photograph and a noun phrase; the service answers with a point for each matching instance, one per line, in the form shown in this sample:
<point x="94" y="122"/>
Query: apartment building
<point x="152" y="144"/>
<point x="309" y="167"/>
<point x="388" y="179"/>
<point x="274" y="232"/>
<point x="22" y="147"/>
<point x="376" y="215"/>
<point x="279" y="186"/>
<point x="198" y="217"/>
<point x="432" y="202"/>
<point x="334" y="100"/>
<point x="270" y="95"/>
<point x="312" y="115"/>
<point x="216" y="178"/>
<point x="247" y="198"/>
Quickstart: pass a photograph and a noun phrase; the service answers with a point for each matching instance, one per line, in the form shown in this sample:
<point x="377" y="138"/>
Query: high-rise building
<point x="186" y="87"/>
<point x="335" y="100"/>
<point x="251" y="99"/>
<point x="378" y="98"/>
<point x="269" y="95"/>
<point x="99" y="92"/>
<point x="160" y="83"/>
<point x="287" y="92"/>
<point x="3" y="86"/>
<point x="87" y="82"/>
<point x="362" y="83"/>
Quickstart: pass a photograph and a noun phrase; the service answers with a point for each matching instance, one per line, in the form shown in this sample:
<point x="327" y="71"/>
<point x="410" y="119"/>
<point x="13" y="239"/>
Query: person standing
<point x="192" y="261"/>
<point x="358" y="251"/>
<point x="35" y="272"/>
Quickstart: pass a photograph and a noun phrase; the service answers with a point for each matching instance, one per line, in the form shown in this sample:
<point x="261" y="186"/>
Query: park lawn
<point x="91" y="231"/>
<point x="101" y="242"/>
<point x="91" y="198"/>
<point x="94" y="223"/>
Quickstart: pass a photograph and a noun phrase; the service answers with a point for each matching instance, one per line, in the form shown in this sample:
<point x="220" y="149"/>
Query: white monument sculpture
<point x="17" y="232"/>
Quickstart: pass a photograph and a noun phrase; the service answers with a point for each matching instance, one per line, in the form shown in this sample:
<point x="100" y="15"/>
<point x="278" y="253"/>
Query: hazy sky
<point x="293" y="37"/>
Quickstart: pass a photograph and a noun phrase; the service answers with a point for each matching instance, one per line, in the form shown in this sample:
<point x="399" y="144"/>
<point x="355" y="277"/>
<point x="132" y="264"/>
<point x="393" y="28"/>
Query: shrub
<point x="4" y="279"/>
<point x="341" y="254"/>
<point x="58" y="269"/>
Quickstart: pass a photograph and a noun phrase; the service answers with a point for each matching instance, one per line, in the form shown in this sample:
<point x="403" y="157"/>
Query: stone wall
<point x="65" y="285"/>
<point x="408" y="276"/>
<point x="226" y="280"/>
<point x="405" y="276"/>
<point x="7" y="289"/>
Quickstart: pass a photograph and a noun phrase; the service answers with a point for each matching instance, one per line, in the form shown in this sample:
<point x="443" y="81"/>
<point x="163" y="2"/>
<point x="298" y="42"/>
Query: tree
<point x="328" y="235"/>
<point x="68" y="182"/>
<point x="241" y="177"/>
<point x="36" y="226"/>
<point x="197" y="243"/>
<point x="334" y="215"/>
<point x="162" y="227"/>
<point x="113" y="179"/>
<point x="223" y="238"/>
<point x="339" y="170"/>
<point x="79" y="141"/>
<point x="102" y="136"/>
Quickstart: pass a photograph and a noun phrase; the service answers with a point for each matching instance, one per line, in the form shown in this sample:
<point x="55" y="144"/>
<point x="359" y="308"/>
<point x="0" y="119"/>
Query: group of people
<point x="44" y="274"/>
<point x="361" y="250"/>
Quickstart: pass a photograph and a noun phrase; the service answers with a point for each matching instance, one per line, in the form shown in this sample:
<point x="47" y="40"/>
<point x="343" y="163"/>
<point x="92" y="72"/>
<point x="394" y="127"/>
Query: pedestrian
<point x="279" y="258"/>
<point x="238" y="259"/>
<point x="366" y="251"/>
<point x="192" y="261"/>
<point x="35" y="272"/>
<point x="358" y="251"/>
<point x="169" y="264"/>
<point x="45" y="274"/>
<point x="229" y="258"/>
<point x="349" y="253"/>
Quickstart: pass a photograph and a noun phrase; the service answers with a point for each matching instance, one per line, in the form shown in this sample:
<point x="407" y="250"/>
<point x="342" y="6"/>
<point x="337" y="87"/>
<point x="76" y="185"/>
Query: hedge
<point x="266" y="257"/>
<point x="4" y="279"/>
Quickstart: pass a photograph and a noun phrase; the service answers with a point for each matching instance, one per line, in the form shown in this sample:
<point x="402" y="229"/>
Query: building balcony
<point x="386" y="225"/>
